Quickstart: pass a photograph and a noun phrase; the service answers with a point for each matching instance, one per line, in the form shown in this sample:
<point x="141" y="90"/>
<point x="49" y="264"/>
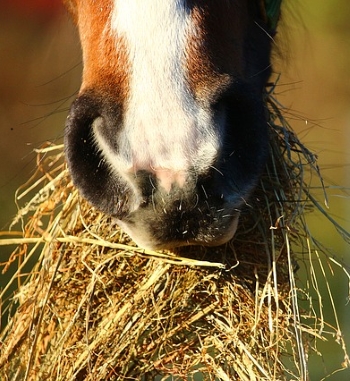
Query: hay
<point x="95" y="307"/>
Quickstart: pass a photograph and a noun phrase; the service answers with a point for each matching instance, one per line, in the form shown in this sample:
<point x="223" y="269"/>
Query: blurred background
<point x="40" y="69"/>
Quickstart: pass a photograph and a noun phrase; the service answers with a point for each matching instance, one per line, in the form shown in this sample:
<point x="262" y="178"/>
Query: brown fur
<point x="215" y="52"/>
<point x="105" y="57"/>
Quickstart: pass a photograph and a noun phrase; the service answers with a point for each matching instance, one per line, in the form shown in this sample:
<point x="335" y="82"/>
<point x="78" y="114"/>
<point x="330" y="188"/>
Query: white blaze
<point x="163" y="127"/>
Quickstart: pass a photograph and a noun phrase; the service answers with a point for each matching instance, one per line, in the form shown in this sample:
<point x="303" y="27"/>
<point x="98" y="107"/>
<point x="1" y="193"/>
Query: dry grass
<point x="95" y="307"/>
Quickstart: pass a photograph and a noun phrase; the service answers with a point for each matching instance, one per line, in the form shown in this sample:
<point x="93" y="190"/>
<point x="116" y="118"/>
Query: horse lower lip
<point x="156" y="236"/>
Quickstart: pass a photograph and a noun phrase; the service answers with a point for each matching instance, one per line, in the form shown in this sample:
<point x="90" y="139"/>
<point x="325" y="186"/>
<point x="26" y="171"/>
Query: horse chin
<point x="151" y="238"/>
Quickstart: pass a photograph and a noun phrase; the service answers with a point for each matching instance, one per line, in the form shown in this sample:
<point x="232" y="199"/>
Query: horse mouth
<point x="167" y="230"/>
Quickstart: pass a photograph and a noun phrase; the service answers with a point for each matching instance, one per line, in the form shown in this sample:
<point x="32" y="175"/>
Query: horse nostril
<point x="90" y="171"/>
<point x="81" y="154"/>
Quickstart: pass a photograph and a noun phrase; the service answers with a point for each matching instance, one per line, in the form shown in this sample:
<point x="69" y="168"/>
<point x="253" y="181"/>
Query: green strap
<point x="273" y="9"/>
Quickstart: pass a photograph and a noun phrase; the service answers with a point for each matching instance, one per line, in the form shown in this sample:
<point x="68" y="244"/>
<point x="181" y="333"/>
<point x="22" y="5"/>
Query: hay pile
<point x="95" y="307"/>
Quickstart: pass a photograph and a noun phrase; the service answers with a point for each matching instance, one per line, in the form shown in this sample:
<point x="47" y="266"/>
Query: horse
<point x="169" y="133"/>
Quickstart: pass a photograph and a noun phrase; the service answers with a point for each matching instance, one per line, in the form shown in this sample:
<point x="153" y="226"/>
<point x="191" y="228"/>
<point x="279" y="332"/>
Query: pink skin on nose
<point x="168" y="177"/>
